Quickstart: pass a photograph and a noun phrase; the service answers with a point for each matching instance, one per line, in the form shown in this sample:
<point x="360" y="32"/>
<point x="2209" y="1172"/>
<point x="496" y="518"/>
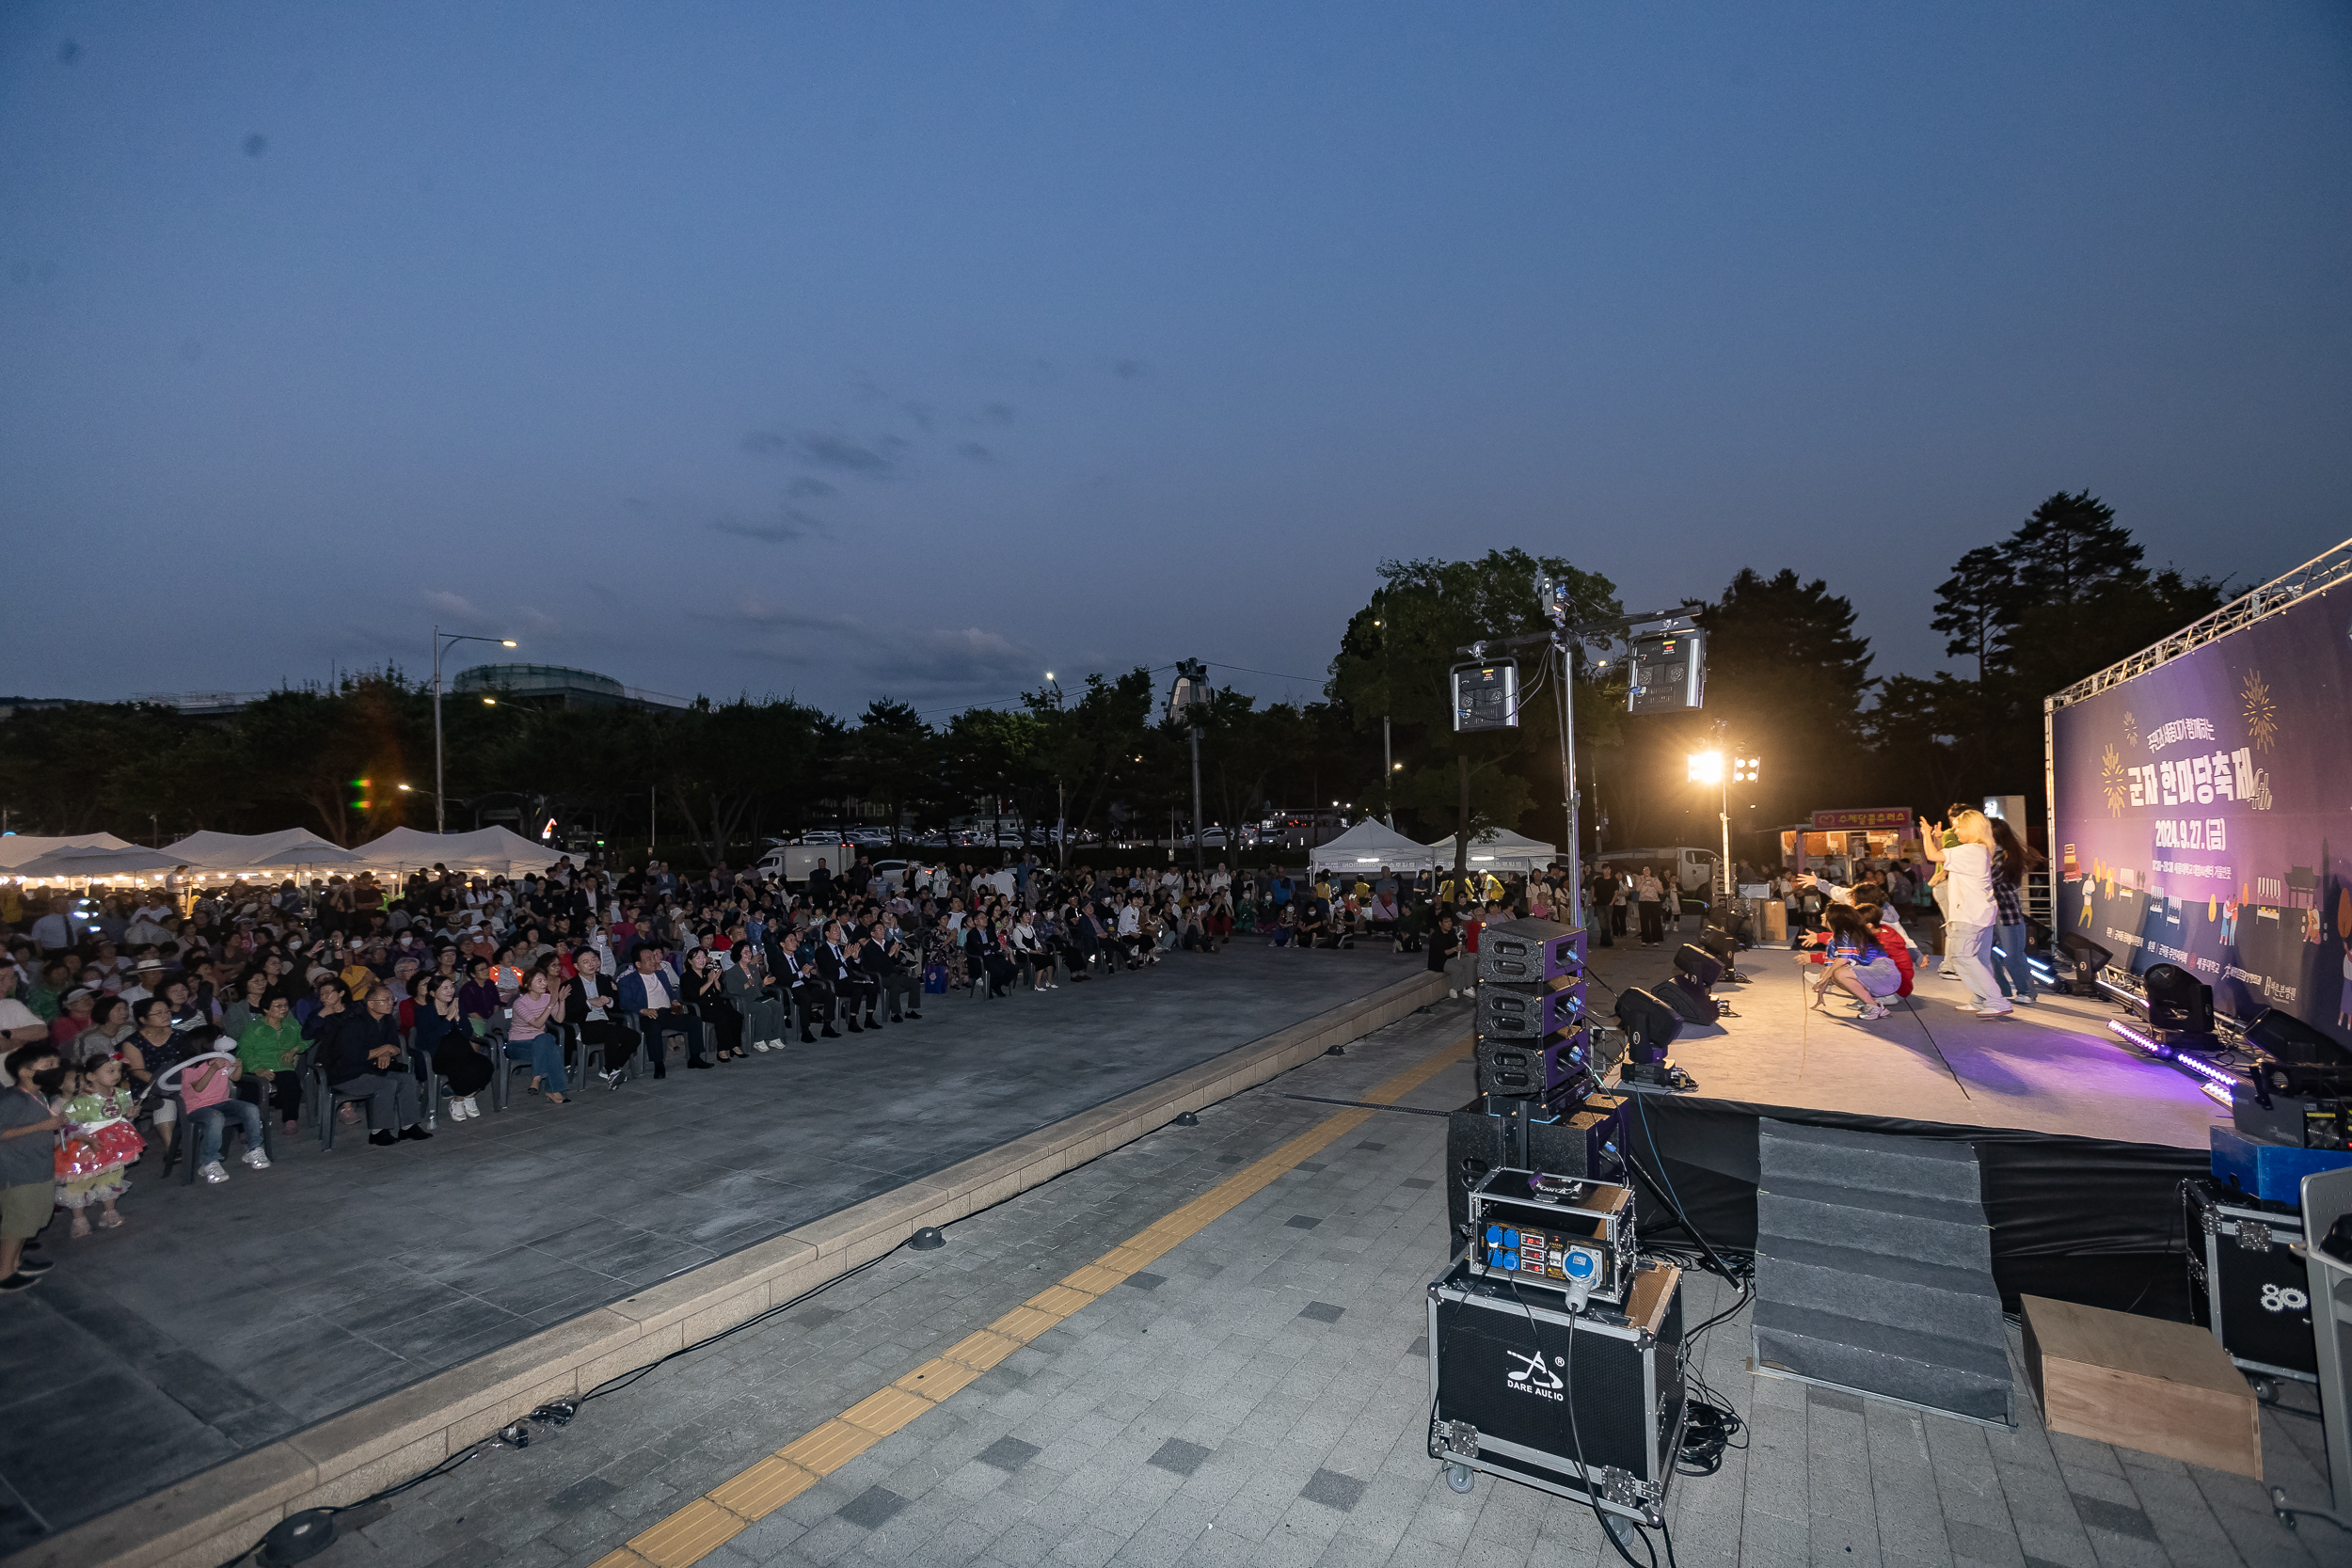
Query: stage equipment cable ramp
<point x="1874" y="1270"/>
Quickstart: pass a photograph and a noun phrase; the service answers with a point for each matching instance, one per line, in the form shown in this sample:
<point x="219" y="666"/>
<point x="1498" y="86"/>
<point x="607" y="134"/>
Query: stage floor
<point x="2053" y="1067"/>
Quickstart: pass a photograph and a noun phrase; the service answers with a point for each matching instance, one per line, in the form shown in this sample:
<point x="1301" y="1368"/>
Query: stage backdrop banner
<point x="2200" y="808"/>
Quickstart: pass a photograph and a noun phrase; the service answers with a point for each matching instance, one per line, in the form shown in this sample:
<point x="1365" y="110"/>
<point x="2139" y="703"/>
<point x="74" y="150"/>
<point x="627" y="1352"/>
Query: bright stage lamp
<point x="1744" y="770"/>
<point x="1706" y="768"/>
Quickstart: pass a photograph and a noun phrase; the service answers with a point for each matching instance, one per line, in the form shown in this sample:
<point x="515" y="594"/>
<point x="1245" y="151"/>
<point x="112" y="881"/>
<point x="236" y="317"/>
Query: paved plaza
<point x="1258" y="1394"/>
<point x="221" y="1319"/>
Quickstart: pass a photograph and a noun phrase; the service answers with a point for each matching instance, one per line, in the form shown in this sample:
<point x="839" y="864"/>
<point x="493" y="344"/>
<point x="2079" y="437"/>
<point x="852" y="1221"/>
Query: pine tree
<point x="1976" y="608"/>
<point x="2070" y="548"/>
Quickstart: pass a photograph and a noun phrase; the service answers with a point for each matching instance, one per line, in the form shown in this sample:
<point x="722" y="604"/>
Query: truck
<point x="791" y="863"/>
<point x="1691" y="865"/>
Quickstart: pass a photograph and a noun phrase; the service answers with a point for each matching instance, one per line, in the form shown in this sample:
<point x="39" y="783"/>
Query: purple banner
<point x="2202" y="809"/>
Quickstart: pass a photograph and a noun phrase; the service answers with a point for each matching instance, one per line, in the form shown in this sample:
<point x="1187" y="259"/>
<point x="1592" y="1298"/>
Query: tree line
<point x="1790" y="680"/>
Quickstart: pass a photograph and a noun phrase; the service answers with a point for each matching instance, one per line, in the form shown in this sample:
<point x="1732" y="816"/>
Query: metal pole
<point x="1731" y="886"/>
<point x="439" y="825"/>
<point x="1197" y="846"/>
<point x="1388" y="774"/>
<point x="1568" y="769"/>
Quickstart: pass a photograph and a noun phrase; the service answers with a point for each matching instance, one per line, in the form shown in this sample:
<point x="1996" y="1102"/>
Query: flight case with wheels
<point x="1518" y="1386"/>
<point x="2245" y="1284"/>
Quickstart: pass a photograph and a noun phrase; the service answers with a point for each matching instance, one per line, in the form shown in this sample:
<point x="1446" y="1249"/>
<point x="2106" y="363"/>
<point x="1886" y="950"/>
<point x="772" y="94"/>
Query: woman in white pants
<point x="1970" y="912"/>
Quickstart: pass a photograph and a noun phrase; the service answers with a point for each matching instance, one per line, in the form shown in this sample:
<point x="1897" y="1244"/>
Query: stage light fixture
<point x="2178" y="1002"/>
<point x="1706" y="768"/>
<point x="1745" y="769"/>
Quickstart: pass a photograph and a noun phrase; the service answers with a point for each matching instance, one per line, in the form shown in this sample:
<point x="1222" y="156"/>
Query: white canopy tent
<point x="238" y="852"/>
<point x="16" y="849"/>
<point x="95" y="864"/>
<point x="492" y="851"/>
<point x="1497" y="850"/>
<point x="1369" y="846"/>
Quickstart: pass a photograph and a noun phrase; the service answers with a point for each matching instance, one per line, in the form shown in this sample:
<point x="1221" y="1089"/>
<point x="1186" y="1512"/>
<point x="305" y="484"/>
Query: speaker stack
<point x="1538" y="1105"/>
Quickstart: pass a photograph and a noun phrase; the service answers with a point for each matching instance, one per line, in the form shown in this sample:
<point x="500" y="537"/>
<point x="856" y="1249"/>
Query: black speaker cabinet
<point x="1703" y="967"/>
<point x="1588" y="1140"/>
<point x="1528" y="1012"/>
<point x="1543" y="1069"/>
<point x="1522" y="1389"/>
<point x="1690" y="1004"/>
<point x="1531" y="952"/>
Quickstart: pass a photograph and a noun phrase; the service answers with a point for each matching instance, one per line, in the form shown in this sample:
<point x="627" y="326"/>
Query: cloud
<point x="789" y="523"/>
<point x="975" y="452"/>
<point x="1127" y="370"/>
<point x="456" y="605"/>
<point x="971" y="660"/>
<point x="838" y="452"/>
<point x="807" y="487"/>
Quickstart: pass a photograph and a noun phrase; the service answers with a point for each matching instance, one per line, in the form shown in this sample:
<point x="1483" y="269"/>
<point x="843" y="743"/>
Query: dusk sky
<point x="874" y="349"/>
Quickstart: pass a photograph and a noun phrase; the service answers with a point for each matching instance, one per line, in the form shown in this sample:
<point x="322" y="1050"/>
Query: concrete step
<point x="1925" y="1166"/>
<point x="1950" y="1303"/>
<point x="1922" y="1368"/>
<point x="1932" y="1230"/>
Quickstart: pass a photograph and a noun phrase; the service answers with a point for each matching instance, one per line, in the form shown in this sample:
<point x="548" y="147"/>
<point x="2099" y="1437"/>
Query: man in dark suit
<point x="592" y="1004"/>
<point x="887" y="970"/>
<point x="839" y="969"/>
<point x="804" y="987"/>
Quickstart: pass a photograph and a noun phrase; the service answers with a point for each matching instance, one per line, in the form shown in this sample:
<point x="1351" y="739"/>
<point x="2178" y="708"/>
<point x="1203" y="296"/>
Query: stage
<point x="2082" y="1145"/>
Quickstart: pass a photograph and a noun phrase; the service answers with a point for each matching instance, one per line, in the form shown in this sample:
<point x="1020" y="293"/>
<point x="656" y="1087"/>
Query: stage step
<point x="1926" y="1370"/>
<point x="1874" y="1268"/>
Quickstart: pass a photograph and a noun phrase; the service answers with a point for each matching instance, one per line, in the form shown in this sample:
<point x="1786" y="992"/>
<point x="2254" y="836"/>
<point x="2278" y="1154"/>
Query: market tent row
<point x="16" y="849"/>
<point x="1497" y="850"/>
<point x="490" y="851"/>
<point x="238" y="852"/>
<point x="1367" y="846"/>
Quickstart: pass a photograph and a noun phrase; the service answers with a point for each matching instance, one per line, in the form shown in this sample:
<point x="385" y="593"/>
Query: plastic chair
<point x="184" y="1144"/>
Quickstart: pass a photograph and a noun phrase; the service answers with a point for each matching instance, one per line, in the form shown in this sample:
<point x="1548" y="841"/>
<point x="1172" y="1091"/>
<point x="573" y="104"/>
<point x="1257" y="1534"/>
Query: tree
<point x="1975" y="607"/>
<point x="893" y="758"/>
<point x="1394" y="663"/>
<point x="2070" y="548"/>
<point x="1787" y="671"/>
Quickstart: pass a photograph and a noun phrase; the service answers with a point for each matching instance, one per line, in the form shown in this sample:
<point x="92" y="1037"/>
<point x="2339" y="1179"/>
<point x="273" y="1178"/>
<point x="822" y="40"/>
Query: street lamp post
<point x="1722" y="771"/>
<point x="443" y="640"/>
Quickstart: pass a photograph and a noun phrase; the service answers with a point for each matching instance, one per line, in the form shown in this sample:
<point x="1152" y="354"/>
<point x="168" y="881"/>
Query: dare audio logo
<point x="1531" y="1376"/>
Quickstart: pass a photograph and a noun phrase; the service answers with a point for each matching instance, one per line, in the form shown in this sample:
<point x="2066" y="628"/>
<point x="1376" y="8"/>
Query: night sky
<point x="872" y="349"/>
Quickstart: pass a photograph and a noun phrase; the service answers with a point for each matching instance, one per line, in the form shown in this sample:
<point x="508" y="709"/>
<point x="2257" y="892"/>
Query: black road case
<point x="2244" y="1283"/>
<point x="1510" y="1366"/>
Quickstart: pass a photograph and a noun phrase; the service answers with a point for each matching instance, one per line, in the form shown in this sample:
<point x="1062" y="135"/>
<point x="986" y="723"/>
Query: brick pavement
<point x="221" y="1319"/>
<point x="1257" y="1395"/>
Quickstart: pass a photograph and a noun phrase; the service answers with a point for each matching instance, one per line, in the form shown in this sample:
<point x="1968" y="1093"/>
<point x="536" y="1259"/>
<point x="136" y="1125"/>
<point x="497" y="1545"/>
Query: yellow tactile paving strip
<point x="719" y="1515"/>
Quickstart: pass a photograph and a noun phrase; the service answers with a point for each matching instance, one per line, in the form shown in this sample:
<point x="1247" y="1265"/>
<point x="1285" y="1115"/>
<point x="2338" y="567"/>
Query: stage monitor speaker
<point x="1702" y="968"/>
<point x="1650" y="1025"/>
<point x="1552" y="1070"/>
<point x="1731" y="920"/>
<point x="2288" y="1039"/>
<point x="2076" y="962"/>
<point x="2178" y="1002"/>
<point x="1588" y="1141"/>
<point x="1531" y="952"/>
<point x="1527" y="1012"/>
<point x="1690" y="1004"/>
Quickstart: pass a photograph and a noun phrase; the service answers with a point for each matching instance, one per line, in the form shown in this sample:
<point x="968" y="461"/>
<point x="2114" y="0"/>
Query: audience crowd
<point x="167" y="1020"/>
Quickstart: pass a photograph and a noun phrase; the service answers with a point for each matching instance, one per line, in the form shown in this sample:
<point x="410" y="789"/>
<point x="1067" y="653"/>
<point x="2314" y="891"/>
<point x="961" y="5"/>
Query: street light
<point x="1706" y="768"/>
<point x="441" y="641"/>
